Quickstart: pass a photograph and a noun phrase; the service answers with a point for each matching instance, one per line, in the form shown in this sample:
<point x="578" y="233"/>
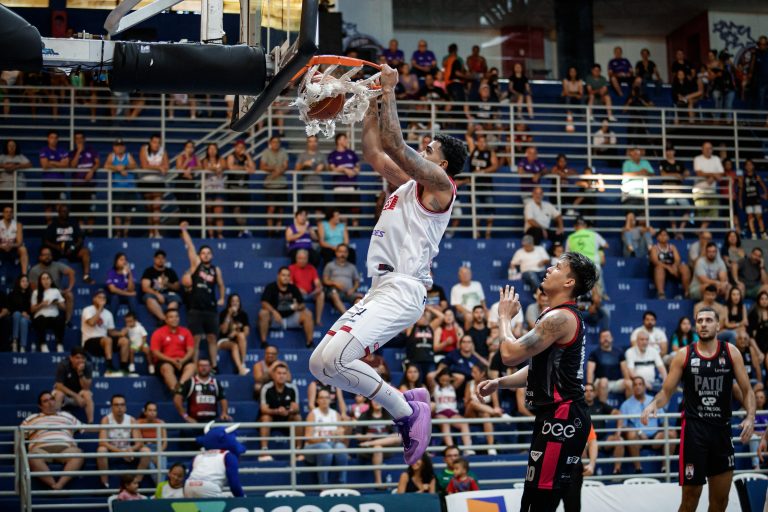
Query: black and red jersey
<point x="707" y="384"/>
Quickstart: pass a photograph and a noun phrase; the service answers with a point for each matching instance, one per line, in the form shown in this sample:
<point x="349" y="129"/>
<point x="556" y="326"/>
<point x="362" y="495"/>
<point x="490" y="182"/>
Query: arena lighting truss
<point x="254" y="74"/>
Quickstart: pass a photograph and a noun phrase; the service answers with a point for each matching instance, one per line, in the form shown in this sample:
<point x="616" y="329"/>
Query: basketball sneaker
<point x="416" y="431"/>
<point x="417" y="395"/>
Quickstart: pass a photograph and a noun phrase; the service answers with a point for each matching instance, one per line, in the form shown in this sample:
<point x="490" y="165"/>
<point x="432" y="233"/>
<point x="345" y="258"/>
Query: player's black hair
<point x="582" y="270"/>
<point x="709" y="310"/>
<point x="454" y="151"/>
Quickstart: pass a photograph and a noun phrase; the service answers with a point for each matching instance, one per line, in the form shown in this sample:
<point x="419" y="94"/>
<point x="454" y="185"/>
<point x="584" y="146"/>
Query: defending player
<point x="403" y="245"/>
<point x="707" y="369"/>
<point x="553" y="379"/>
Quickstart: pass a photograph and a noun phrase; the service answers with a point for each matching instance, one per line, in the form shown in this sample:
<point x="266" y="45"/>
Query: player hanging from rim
<point x="403" y="245"/>
<point x="553" y="379"/>
<point x="707" y="369"/>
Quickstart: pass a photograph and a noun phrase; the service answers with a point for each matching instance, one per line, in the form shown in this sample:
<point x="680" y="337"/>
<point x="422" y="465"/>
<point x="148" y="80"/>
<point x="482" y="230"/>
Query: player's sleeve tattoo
<point x="547" y="332"/>
<point x="428" y="174"/>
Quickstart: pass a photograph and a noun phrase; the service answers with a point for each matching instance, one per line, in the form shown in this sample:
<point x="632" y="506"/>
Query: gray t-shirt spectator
<point x="709" y="269"/>
<point x="345" y="274"/>
<point x="56" y="269"/>
<point x="312" y="180"/>
<point x="274" y="159"/>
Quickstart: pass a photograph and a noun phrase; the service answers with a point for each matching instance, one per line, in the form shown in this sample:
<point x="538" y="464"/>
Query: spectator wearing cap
<point x="243" y="166"/>
<point x="53" y="435"/>
<point x="160" y="286"/>
<point x="74" y="377"/>
<point x="532" y="261"/>
<point x="423" y="61"/>
<point x="53" y="160"/>
<point x="121" y="164"/>
<point x="99" y="336"/>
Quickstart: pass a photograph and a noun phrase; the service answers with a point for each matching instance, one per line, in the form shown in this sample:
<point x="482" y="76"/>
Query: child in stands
<point x="137" y="335"/>
<point x="461" y="481"/>
<point x="129" y="489"/>
<point x="174" y="486"/>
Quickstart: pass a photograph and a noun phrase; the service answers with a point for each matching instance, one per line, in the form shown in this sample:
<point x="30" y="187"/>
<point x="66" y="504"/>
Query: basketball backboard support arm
<point x="121" y="18"/>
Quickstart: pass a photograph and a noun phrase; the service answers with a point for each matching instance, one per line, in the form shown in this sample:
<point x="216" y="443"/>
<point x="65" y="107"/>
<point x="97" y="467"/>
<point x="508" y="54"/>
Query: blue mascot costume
<point x="217" y="466"/>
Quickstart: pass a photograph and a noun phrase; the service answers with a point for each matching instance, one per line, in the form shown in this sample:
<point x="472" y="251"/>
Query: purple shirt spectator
<point x="53" y="155"/>
<point x="534" y="167"/>
<point x="393" y="57"/>
<point x="425" y="58"/>
<point x="117" y="279"/>
<point x="620" y="66"/>
<point x="346" y="158"/>
<point x="84" y="164"/>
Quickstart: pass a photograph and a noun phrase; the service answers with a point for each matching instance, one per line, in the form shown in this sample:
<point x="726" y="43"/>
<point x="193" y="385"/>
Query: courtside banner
<point x="370" y="503"/>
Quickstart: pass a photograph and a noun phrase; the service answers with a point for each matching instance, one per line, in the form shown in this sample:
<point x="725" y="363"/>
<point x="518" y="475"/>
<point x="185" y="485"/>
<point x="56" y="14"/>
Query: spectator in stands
<point x="684" y="335"/>
<point x="153" y="160"/>
<point x="47" y="310"/>
<point x="483" y="112"/>
<point x="129" y="489"/>
<point x="446" y="405"/>
<point x="121" y="163"/>
<point x="656" y="336"/>
<point x="345" y="166"/>
<point x="420" y="477"/>
<point x="159" y="285"/>
<point x="213" y="165"/>
<point x="597" y="407"/>
<point x="319" y="437"/>
<point x="682" y="63"/>
<point x="724" y="84"/>
<point x="461" y="481"/>
<point x="205" y="398"/>
<point x="173" y="487"/>
<point x="121" y="284"/>
<point x="674" y="172"/>
<point x="633" y="184"/>
<point x="86" y="160"/>
<point x="423" y="61"/>
<point x="607" y="368"/>
<point x="709" y="300"/>
<point x="341" y="280"/>
<point x="173" y="348"/>
<point x="420" y="342"/>
<point x="375" y="436"/>
<point x="282" y="307"/>
<point x="53" y="160"/>
<point x="584" y="240"/>
<point x="646" y="71"/>
<point x="665" y="261"/>
<point x="573" y="89"/>
<point x="455" y="74"/>
<point x="274" y="161"/>
<point x="408" y="87"/>
<point x="447" y="334"/>
<point x="697" y="248"/>
<point x="187" y="165"/>
<point x="749" y="197"/>
<point x="154" y="438"/>
<point x="534" y="309"/>
<point x="593" y="312"/>
<point x="749" y="274"/>
<point x="486" y="407"/>
<point x="436" y="297"/>
<point x="393" y="54"/>
<point x="597" y="90"/>
<point x="137" y="336"/>
<point x="530" y="164"/>
<point x="264" y="370"/>
<point x="757" y="75"/>
<point x="120" y="440"/>
<point x="634" y="430"/>
<point x="753" y="358"/>
<point x="520" y="89"/>
<point x="233" y="332"/>
<point x="732" y="252"/>
<point x="685" y="94"/>
<point x="304" y="276"/>
<point x="11" y="162"/>
<point x="243" y="166"/>
<point x="736" y="312"/>
<point x="709" y="270"/>
<point x="604" y="142"/>
<point x="459" y="362"/>
<point x="279" y="401"/>
<point x="637" y="239"/>
<point x="331" y="233"/>
<point x="620" y="71"/>
<point x="479" y="331"/>
<point x="12" y="241"/>
<point x="483" y="162"/>
<point x="19" y="304"/>
<point x="301" y="235"/>
<point x="476" y="65"/>
<point x="539" y="215"/>
<point x="203" y="274"/>
<point x="74" y="377"/>
<point x="465" y="295"/>
<point x="758" y="322"/>
<point x="53" y="437"/>
<point x="311" y="162"/>
<point x="645" y="361"/>
<point x="65" y="240"/>
<point x="100" y="337"/>
<point x="709" y="169"/>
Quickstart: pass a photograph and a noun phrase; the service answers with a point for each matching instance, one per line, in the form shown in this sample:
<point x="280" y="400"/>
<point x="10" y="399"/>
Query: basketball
<point x="327" y="108"/>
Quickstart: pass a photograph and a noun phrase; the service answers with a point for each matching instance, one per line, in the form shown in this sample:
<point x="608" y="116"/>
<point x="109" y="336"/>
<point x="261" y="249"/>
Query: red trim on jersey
<point x="728" y="351"/>
<point x="549" y="465"/>
<point x="576" y="334"/>
<point x="717" y="352"/>
<point x="687" y="355"/>
<point x="419" y="188"/>
<point x="345" y="328"/>
<point x="556" y="394"/>
<point x="681" y="465"/>
<point x="563" y="409"/>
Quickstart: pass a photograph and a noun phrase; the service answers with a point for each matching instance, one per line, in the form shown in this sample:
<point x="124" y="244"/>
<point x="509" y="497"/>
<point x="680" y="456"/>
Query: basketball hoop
<point x="319" y="89"/>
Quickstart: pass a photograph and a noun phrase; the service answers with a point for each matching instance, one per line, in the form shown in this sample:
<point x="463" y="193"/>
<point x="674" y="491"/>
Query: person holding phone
<point x="48" y="312"/>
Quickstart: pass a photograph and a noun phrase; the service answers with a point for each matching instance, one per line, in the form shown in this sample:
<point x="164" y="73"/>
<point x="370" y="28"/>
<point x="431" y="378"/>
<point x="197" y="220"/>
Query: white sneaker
<point x="44" y="349"/>
<point x="469" y="453"/>
<point x="14" y="346"/>
<point x="245" y="371"/>
<point x="132" y="368"/>
<point x="492" y="451"/>
<point x="59" y="347"/>
<point x="265" y="457"/>
<point x="113" y="373"/>
<point x="151" y="369"/>
<point x="22" y="350"/>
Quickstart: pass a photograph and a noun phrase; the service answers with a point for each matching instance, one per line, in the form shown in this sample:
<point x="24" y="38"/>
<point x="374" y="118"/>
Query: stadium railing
<point x="664" y="457"/>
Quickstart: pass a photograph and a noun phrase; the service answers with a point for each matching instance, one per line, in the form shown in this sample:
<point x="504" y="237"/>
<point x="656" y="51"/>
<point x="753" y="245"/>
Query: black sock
<point x="110" y="366"/>
<point x="123" y="366"/>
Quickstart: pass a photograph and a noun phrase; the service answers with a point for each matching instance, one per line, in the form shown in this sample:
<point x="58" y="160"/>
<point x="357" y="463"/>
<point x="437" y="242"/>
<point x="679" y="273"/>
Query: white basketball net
<point x="318" y="85"/>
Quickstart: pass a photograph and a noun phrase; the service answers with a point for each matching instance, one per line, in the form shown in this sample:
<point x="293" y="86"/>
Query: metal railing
<point x="519" y="427"/>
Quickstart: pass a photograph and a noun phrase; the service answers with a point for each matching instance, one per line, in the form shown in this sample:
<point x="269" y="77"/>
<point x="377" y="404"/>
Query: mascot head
<point x="221" y="438"/>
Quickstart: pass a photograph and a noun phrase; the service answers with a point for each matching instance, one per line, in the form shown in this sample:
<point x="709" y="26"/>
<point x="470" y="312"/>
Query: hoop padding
<point x="318" y="85"/>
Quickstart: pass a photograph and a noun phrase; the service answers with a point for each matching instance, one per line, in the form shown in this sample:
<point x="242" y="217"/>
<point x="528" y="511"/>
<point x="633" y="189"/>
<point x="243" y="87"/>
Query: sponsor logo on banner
<point x="535" y="455"/>
<point x="689" y="471"/>
<point x="486" y="504"/>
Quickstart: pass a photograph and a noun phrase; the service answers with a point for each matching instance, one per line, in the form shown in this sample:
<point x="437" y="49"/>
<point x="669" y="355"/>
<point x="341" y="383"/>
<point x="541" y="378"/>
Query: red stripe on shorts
<point x="563" y="410"/>
<point x="346" y="328"/>
<point x="549" y="465"/>
<point x="330" y="333"/>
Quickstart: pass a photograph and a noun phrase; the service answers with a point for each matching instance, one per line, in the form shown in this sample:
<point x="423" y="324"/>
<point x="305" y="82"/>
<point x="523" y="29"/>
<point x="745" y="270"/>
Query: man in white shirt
<point x="657" y="338"/>
<point x="645" y="362"/>
<point x="532" y="261"/>
<point x="517" y="320"/>
<point x="539" y="215"/>
<point x="465" y="295"/>
<point x="99" y="336"/>
<point x="708" y="168"/>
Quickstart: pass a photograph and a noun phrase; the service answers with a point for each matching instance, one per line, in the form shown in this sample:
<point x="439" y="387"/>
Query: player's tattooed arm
<point x="374" y="154"/>
<point x="554" y="327"/>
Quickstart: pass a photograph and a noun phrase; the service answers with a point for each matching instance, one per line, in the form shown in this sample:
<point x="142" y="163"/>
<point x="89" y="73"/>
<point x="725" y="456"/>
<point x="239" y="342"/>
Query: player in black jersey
<point x="553" y="378"/>
<point x="707" y="369"/>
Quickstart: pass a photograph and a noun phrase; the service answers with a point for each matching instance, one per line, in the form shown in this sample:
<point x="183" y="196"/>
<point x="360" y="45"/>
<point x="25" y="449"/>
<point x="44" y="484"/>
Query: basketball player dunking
<point x="403" y="245"/>
<point x="707" y="369"/>
<point x="553" y="379"/>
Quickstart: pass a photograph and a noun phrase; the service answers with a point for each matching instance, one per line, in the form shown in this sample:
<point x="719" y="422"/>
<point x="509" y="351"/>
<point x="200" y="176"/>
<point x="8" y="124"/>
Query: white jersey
<point x="407" y="235"/>
<point x="120" y="437"/>
<point x="321" y="430"/>
<point x="209" y="467"/>
<point x="8" y="232"/>
<point x="445" y="399"/>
